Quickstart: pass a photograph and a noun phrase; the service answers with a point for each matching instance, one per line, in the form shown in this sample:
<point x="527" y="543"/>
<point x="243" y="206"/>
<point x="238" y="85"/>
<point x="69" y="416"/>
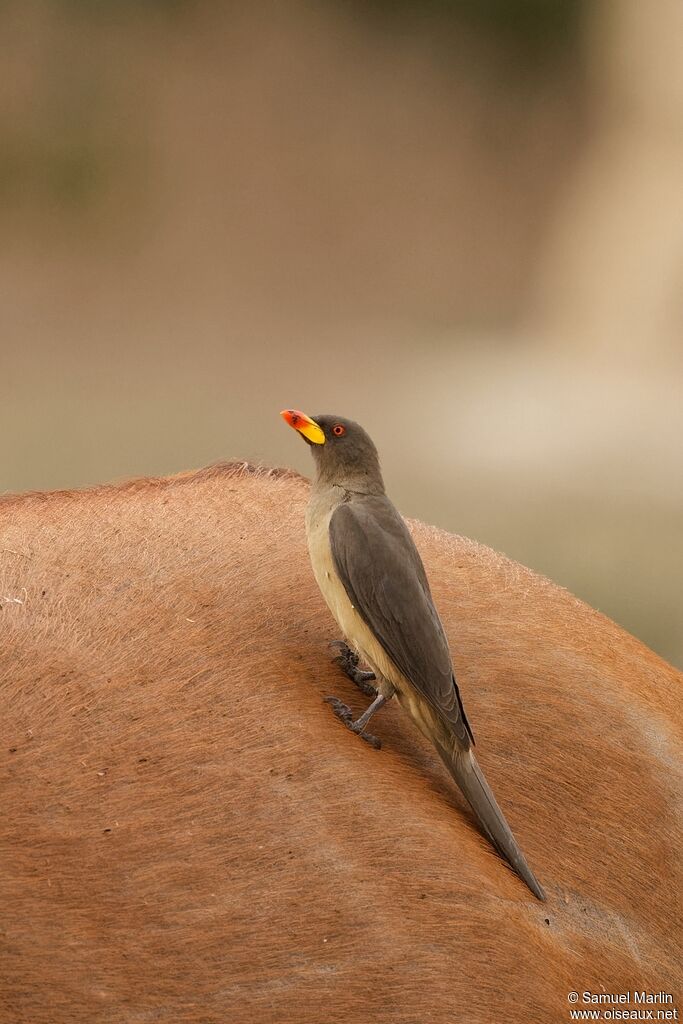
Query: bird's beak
<point x="307" y="427"/>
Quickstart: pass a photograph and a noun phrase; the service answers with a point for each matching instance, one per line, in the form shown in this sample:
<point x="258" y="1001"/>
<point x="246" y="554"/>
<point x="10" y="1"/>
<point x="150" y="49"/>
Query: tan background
<point x="463" y="227"/>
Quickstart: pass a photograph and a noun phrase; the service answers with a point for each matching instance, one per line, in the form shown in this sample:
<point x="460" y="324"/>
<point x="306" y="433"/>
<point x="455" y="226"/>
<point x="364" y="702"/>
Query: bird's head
<point x="343" y="453"/>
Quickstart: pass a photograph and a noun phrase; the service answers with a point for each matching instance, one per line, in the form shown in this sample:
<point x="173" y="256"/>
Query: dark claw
<point x="346" y="658"/>
<point x="340" y="709"/>
<point x="345" y="715"/>
<point x="345" y="651"/>
<point x="374" y="741"/>
<point x="348" y="662"/>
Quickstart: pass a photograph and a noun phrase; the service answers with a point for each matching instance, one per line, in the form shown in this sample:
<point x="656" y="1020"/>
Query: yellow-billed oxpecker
<point x="373" y="580"/>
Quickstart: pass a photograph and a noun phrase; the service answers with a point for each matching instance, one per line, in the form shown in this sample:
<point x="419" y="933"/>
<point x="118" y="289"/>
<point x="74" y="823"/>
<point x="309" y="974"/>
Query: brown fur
<point x="189" y="835"/>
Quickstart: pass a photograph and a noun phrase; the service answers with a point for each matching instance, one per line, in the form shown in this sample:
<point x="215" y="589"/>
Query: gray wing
<point x="384" y="577"/>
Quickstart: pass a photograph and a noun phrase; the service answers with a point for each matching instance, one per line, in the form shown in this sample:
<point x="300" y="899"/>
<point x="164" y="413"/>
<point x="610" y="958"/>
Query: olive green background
<point x="460" y="223"/>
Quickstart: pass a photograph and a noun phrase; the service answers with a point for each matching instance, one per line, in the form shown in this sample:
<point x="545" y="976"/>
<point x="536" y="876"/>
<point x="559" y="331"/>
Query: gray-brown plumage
<point x="373" y="580"/>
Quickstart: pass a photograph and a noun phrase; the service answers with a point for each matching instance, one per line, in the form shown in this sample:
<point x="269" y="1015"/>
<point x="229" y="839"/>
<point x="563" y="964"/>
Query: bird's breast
<point x="327" y="578"/>
<point x="354" y="628"/>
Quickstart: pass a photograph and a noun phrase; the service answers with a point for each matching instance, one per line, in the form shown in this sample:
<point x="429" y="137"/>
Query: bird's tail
<point x="469" y="777"/>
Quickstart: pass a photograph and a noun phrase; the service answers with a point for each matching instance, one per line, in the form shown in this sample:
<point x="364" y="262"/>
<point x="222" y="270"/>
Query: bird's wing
<point x="385" y="580"/>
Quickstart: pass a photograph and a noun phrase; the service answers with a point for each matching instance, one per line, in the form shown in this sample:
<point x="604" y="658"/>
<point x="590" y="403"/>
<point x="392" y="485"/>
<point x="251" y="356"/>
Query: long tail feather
<point x="469" y="777"/>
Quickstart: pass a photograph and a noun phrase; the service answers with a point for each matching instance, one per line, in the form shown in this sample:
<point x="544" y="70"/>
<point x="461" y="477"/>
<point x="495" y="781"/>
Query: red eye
<point x="338" y="430"/>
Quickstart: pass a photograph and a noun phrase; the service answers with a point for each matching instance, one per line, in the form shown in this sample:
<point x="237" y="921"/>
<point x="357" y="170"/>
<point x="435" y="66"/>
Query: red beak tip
<point x="291" y="416"/>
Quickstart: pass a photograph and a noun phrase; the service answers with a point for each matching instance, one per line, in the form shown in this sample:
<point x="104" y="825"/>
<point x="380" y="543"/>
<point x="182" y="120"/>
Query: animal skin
<point x="189" y="836"/>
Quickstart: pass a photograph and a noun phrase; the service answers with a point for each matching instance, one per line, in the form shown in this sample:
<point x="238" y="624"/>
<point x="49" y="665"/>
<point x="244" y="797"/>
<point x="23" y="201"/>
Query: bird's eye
<point x="338" y="430"/>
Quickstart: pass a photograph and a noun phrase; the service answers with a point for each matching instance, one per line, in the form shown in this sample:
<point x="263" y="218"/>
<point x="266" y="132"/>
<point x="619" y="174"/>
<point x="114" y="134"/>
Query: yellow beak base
<point x="307" y="427"/>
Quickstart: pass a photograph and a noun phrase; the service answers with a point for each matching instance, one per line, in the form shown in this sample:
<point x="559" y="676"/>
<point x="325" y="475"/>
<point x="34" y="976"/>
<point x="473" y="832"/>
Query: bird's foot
<point x="348" y="662"/>
<point x="345" y="715"/>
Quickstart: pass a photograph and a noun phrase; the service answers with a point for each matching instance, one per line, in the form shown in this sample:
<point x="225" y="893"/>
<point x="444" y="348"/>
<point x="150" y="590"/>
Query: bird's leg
<point x="343" y="712"/>
<point x="348" y="662"/>
<point x="360" y="723"/>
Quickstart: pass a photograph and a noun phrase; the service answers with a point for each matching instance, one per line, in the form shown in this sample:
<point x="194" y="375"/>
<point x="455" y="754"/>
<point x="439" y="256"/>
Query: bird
<point x="372" y="578"/>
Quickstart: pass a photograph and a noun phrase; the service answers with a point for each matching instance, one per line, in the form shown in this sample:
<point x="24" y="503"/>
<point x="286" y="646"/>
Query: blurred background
<point x="458" y="221"/>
